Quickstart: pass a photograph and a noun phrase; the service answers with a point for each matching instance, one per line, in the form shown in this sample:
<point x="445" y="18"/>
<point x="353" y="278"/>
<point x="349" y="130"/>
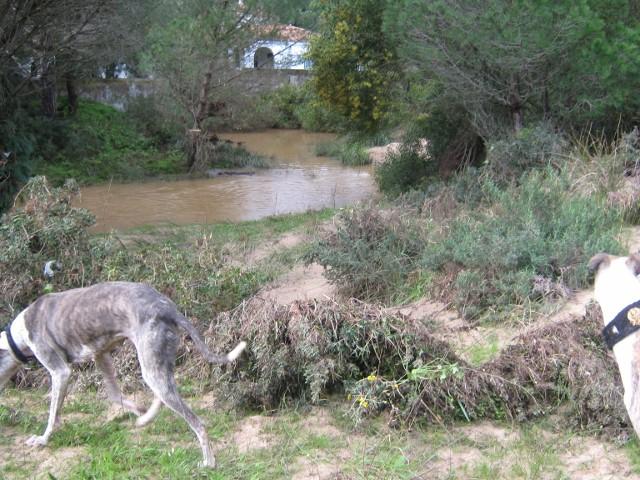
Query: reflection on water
<point x="302" y="181"/>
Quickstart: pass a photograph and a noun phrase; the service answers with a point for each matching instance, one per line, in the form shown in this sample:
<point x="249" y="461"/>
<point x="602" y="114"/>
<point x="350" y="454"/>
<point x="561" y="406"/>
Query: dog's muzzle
<point x="624" y="324"/>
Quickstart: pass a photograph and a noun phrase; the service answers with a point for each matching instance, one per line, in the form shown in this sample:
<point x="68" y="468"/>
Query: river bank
<point x="298" y="180"/>
<point x="299" y="442"/>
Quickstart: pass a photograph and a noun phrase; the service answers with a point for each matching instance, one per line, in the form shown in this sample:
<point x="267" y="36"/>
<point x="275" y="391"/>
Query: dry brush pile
<point x="387" y="362"/>
<point x="381" y="362"/>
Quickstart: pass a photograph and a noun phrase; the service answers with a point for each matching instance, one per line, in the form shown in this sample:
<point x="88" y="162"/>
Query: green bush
<point x="351" y="149"/>
<point x="98" y="144"/>
<point x="407" y="169"/>
<point x="43" y="227"/>
<point x="440" y="119"/>
<point x="293" y="107"/>
<point x="17" y="139"/>
<point x="347" y="150"/>
<point x="487" y="256"/>
<point x="228" y="155"/>
<point x="149" y="118"/>
<point x="371" y="253"/>
<point x="283" y="105"/>
<point x="536" y="228"/>
<point x="532" y="147"/>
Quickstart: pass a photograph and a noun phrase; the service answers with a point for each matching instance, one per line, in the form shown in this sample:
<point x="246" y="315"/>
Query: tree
<point x="353" y="61"/>
<point x="44" y="41"/>
<point x="504" y="59"/>
<point x="295" y="12"/>
<point x="193" y="55"/>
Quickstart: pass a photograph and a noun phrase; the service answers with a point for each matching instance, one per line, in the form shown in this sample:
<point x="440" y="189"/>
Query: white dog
<point x="617" y="290"/>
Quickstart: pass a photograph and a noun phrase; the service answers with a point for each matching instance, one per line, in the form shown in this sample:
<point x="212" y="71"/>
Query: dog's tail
<point x="203" y="348"/>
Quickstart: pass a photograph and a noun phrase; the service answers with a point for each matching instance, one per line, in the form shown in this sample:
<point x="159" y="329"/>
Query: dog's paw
<point x="37" y="441"/>
<point x="139" y="410"/>
<point x="207" y="464"/>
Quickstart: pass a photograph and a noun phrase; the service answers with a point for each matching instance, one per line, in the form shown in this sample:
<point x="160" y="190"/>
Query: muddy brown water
<point x="300" y="181"/>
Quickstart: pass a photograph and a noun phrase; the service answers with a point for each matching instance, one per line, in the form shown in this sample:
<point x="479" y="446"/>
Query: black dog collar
<point x="625" y="323"/>
<point x="14" y="347"/>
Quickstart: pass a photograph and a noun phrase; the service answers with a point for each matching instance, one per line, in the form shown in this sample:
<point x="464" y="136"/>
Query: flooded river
<point x="300" y="181"/>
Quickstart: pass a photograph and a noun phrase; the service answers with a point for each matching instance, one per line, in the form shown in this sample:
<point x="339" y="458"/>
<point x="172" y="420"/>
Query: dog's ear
<point x="598" y="260"/>
<point x="633" y="262"/>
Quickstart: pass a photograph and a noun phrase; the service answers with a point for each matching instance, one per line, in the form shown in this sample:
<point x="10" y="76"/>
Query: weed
<point x="100" y="143"/>
<point x="348" y="151"/>
<point x="45" y="227"/>
<point x="372" y="253"/>
<point x="10" y="417"/>
<point x="530" y="148"/>
<point x="535" y="229"/>
<point x="480" y="353"/>
<point x="227" y="155"/>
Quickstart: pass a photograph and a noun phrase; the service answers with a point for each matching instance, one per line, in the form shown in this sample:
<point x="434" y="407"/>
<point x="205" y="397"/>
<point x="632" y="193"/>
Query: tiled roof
<point x="284" y="32"/>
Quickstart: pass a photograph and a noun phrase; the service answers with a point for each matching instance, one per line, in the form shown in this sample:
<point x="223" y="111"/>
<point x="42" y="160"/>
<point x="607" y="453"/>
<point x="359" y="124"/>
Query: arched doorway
<point x="263" y="58"/>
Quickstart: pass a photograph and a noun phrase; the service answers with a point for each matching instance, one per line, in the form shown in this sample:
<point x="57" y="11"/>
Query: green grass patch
<point x="14" y="418"/>
<point x="632" y="449"/>
<point x="227" y="155"/>
<point x="351" y="149"/>
<point x="98" y="144"/>
<point x="88" y="433"/>
<point x="487" y="349"/>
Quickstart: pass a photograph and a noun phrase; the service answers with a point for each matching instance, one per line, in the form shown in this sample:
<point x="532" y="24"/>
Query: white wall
<point x="287" y="54"/>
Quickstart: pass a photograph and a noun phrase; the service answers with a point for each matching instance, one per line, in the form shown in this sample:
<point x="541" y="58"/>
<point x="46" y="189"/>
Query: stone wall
<point x="118" y="92"/>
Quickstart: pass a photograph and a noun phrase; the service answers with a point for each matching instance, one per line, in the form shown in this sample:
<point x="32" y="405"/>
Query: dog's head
<point x="8" y="363"/>
<point x="616" y="284"/>
<point x="625" y="265"/>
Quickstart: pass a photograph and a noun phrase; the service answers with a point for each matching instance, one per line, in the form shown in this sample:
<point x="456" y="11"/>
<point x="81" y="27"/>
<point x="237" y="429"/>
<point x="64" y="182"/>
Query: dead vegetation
<point x="388" y="362"/>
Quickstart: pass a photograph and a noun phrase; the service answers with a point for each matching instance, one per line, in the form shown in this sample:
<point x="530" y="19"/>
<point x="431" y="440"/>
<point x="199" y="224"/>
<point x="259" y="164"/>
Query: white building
<point x="282" y="47"/>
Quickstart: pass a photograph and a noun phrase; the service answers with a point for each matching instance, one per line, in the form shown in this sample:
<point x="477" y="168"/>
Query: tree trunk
<point x="49" y="94"/>
<point x="72" y="93"/>
<point x="197" y="146"/>
<point x="110" y="71"/>
<point x="518" y="118"/>
<point x="203" y="100"/>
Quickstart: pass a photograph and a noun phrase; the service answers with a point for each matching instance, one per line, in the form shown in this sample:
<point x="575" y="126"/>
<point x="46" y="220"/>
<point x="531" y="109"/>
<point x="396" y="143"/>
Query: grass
<point x="351" y="150"/>
<point x="300" y="440"/>
<point x="99" y="144"/>
<point x="480" y="353"/>
<point x="245" y="234"/>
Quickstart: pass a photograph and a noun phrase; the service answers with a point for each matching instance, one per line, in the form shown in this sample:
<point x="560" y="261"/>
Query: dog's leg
<point x="168" y="393"/>
<point x="151" y="413"/>
<point x="59" y="382"/>
<point x="156" y="363"/>
<point x="104" y="362"/>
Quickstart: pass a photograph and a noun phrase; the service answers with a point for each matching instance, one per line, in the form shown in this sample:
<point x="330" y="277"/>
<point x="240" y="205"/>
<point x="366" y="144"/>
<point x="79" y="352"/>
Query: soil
<point x="302" y="283"/>
<point x="589" y="459"/>
<point x="583" y="457"/>
<point x="378" y="155"/>
<point x="289" y="240"/>
<point x="250" y="435"/>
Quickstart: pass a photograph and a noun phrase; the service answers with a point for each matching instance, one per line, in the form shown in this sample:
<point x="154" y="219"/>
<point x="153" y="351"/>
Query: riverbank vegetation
<point x="460" y="304"/>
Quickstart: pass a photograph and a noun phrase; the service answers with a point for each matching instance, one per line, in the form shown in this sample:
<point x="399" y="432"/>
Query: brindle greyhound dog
<point x="78" y="325"/>
<point x="617" y="290"/>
